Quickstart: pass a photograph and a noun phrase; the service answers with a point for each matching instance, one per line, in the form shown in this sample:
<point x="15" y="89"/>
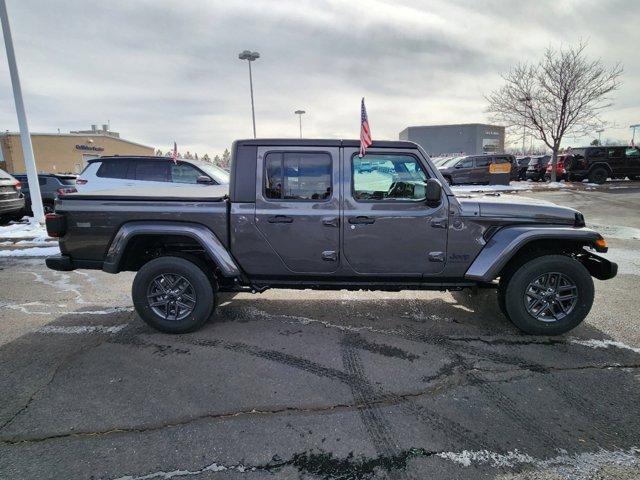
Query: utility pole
<point x="25" y="137"/>
<point x="633" y="138"/>
<point x="250" y="57"/>
<point x="300" y="113"/>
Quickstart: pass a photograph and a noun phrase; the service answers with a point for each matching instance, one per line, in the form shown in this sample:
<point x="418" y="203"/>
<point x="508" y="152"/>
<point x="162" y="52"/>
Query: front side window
<point x="297" y="176"/>
<point x="184" y="173"/>
<point x="615" y="152"/>
<point x="468" y="163"/>
<point x="632" y="153"/>
<point x="152" y="171"/>
<point x="387" y="177"/>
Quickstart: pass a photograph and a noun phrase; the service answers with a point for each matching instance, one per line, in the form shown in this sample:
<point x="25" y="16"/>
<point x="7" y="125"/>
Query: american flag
<point x="174" y="153"/>
<point x="365" y="133"/>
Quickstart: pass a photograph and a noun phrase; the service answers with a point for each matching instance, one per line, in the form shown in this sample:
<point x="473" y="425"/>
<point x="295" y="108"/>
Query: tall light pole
<point x="526" y="101"/>
<point x="250" y="57"/>
<point x="633" y="138"/>
<point x="25" y="137"/>
<point x="300" y="113"/>
<point x="599" y="132"/>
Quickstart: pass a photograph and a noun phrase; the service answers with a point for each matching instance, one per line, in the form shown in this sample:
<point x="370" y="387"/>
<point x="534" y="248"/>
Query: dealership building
<point x="66" y="152"/>
<point x="463" y="139"/>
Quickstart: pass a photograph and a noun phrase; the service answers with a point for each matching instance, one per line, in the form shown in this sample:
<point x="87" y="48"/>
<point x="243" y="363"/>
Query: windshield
<point x="449" y="162"/>
<point x="218" y="174"/>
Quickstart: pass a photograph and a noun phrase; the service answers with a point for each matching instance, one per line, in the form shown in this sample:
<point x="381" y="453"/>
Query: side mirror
<point x="458" y="165"/>
<point x="433" y="192"/>
<point x="203" y="179"/>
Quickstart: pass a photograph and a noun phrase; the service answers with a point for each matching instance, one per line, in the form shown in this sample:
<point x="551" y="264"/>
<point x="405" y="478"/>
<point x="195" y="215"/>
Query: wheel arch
<point x="133" y="237"/>
<point x="512" y="243"/>
<point x="604" y="165"/>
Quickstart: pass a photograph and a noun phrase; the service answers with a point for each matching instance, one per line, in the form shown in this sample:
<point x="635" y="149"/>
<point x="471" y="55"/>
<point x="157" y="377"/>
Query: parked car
<point x="561" y="172"/>
<point x="537" y="168"/>
<point x="599" y="163"/>
<point x="51" y="185"/>
<point x="11" y="198"/>
<point x="299" y="214"/>
<point x="521" y="167"/>
<point x="365" y="167"/>
<point x="143" y="172"/>
<point x="474" y="169"/>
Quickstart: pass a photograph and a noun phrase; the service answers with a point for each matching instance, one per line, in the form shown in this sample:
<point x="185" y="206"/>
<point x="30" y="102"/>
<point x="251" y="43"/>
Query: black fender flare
<point x="200" y="233"/>
<point x="506" y="243"/>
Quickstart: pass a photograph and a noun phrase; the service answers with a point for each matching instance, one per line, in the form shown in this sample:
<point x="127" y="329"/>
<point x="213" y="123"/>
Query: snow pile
<point x="31" y="252"/>
<point x="28" y="227"/>
<point x="515" y="186"/>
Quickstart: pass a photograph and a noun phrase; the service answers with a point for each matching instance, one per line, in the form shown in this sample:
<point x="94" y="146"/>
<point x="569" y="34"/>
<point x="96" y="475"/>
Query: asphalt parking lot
<point x="321" y="385"/>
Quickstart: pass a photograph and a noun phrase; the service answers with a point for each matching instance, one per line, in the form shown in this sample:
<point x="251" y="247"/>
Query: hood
<point x="517" y="207"/>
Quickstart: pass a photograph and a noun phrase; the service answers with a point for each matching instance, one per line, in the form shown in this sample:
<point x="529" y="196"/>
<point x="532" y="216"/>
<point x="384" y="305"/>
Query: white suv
<point x="107" y="173"/>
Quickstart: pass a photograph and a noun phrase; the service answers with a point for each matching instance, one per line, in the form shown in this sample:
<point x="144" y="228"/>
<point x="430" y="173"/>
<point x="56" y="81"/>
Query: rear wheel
<point x="547" y="295"/>
<point x="173" y="295"/>
<point x="598" y="175"/>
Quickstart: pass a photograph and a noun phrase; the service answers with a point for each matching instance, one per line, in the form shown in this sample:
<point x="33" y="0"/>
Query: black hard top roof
<point x="323" y="142"/>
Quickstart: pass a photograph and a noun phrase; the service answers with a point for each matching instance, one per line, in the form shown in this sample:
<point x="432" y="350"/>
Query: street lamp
<point x="250" y="57"/>
<point x="526" y="101"/>
<point x="633" y="138"/>
<point x="300" y="113"/>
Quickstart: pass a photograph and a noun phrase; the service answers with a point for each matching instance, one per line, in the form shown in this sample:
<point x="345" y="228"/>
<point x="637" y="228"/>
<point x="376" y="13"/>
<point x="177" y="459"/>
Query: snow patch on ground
<point x="214" y="467"/>
<point x="28" y="227"/>
<point x="617" y="231"/>
<point x="593" y="343"/>
<point x="31" y="252"/>
<point x="107" y="311"/>
<point x="580" y="466"/>
<point x="81" y="329"/>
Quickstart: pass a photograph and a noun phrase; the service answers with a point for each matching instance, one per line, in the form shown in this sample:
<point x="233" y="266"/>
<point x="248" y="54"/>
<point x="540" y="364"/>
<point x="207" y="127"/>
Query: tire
<point x="598" y="175"/>
<point x="573" y="279"/>
<point x="48" y="208"/>
<point x="170" y="273"/>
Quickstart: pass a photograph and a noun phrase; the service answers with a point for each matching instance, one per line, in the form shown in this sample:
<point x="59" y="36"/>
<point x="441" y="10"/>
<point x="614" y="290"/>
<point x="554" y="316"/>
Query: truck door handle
<point x="280" y="219"/>
<point x="361" y="220"/>
<point x="330" y="221"/>
<point x="439" y="223"/>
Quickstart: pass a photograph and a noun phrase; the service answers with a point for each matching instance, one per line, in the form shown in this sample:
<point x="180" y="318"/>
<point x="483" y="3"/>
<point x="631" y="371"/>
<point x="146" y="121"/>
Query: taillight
<point x="17" y="186"/>
<point x="81" y="181"/>
<point x="63" y="191"/>
<point x="56" y="224"/>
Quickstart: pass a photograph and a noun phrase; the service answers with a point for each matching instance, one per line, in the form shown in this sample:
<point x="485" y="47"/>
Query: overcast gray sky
<point x="164" y="70"/>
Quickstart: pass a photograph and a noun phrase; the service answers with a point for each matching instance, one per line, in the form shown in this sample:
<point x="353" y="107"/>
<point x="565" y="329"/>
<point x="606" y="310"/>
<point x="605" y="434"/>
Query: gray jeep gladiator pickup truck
<point x="304" y="214"/>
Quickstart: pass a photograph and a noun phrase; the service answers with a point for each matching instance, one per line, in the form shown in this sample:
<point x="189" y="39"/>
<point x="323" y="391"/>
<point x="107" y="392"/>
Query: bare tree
<point x="562" y="94"/>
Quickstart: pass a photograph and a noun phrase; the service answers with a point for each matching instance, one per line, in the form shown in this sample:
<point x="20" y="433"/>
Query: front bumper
<point x="599" y="267"/>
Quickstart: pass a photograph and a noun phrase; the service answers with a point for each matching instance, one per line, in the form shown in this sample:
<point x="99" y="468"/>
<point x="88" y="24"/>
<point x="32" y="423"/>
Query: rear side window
<point x="483" y="161"/>
<point x="42" y="181"/>
<point x="297" y="176"/>
<point x="113" y="169"/>
<point x="502" y="160"/>
<point x="616" y="152"/>
<point x="67" y="180"/>
<point x="152" y="171"/>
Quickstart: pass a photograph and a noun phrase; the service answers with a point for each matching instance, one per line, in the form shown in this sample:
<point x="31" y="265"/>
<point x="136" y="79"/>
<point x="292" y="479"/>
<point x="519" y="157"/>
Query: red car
<point x="561" y="173"/>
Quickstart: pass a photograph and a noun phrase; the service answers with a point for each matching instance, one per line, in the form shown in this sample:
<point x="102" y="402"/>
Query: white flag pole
<point x="25" y="137"/>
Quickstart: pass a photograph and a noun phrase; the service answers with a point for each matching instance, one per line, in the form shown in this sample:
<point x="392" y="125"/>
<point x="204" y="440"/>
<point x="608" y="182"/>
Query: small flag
<point x="365" y="133"/>
<point x="174" y="153"/>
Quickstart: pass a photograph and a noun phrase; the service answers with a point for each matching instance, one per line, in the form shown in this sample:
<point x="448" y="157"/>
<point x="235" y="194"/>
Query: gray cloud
<point x="168" y="70"/>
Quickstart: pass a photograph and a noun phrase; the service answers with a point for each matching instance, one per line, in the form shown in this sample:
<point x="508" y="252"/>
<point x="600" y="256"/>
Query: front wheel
<point x="173" y="295"/>
<point x="548" y="295"/>
<point x="598" y="175"/>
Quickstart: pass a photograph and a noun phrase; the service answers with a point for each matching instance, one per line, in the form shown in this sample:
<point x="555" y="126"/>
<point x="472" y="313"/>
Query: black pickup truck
<point x="305" y="214"/>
